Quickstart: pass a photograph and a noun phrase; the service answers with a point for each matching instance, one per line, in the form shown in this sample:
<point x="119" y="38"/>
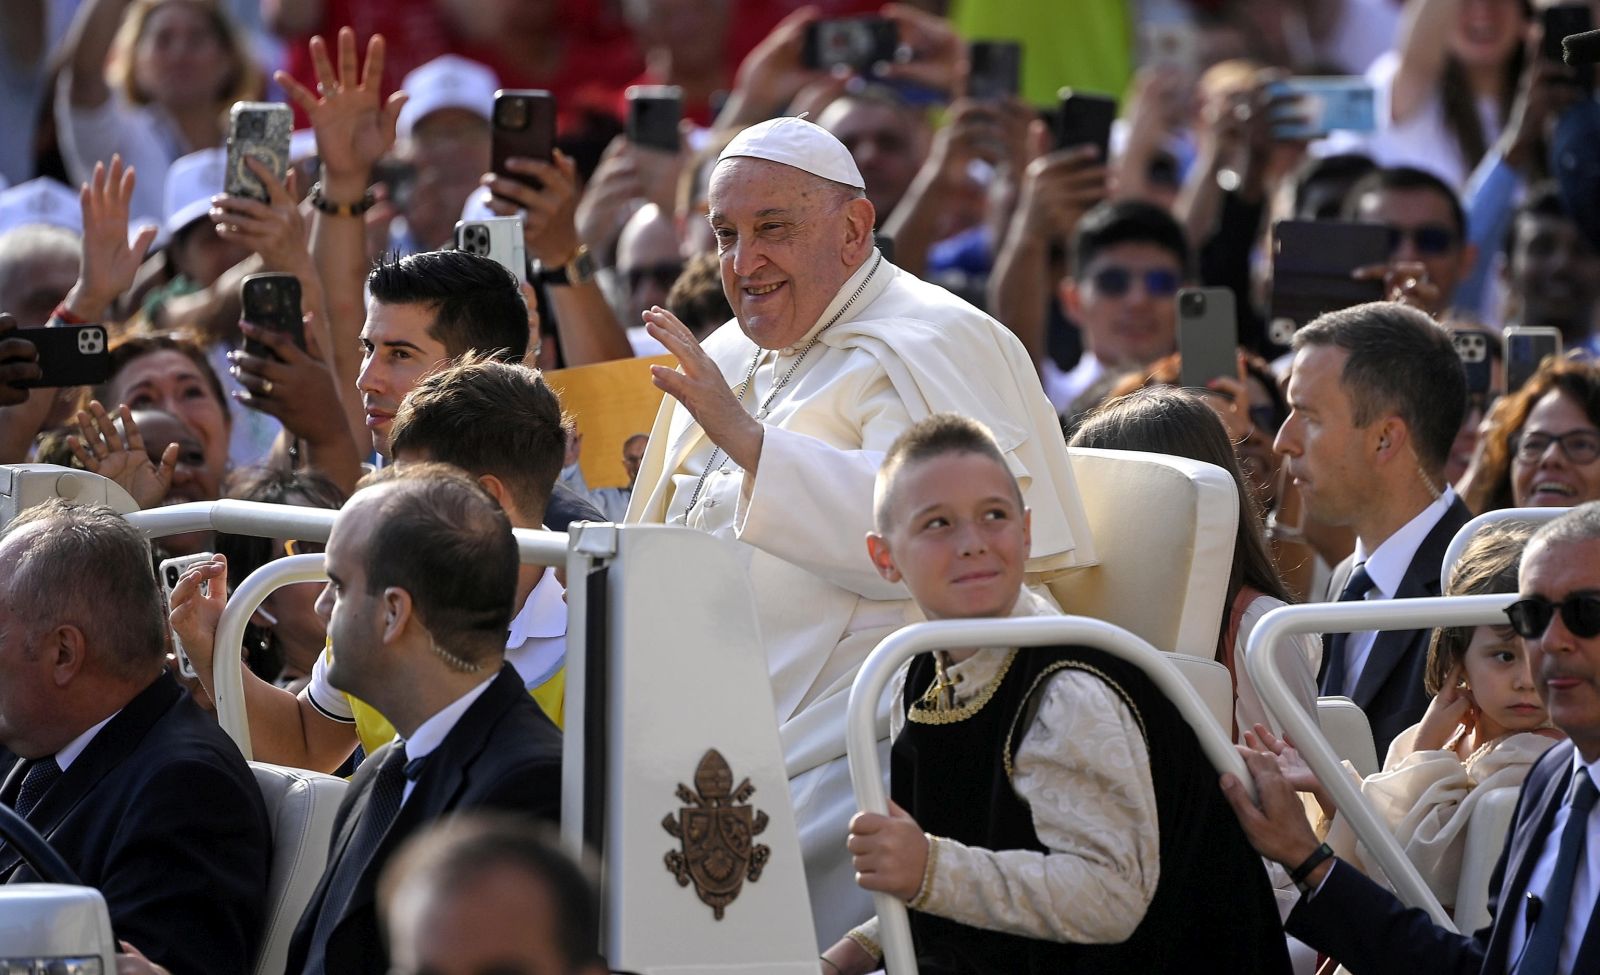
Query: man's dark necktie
<point x="1544" y="947"/>
<point x="383" y="804"/>
<point x="1333" y="643"/>
<point x="41" y="775"/>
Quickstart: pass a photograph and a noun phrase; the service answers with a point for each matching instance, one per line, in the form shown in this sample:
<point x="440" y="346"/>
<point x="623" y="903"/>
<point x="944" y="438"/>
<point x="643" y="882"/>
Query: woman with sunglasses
<point x="1483" y="731"/>
<point x="1542" y="445"/>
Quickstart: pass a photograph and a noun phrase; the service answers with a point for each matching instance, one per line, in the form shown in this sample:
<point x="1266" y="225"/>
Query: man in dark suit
<point x="1545" y="913"/>
<point x="141" y="793"/>
<point x="1376" y="396"/>
<point x="422" y="570"/>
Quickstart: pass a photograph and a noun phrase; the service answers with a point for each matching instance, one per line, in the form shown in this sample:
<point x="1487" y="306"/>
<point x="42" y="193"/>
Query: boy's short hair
<point x="477" y="304"/>
<point x="1127" y="222"/>
<point x="934" y="436"/>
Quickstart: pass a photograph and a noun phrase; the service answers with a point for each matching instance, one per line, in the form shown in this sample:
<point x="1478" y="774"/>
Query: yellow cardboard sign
<point x="610" y="402"/>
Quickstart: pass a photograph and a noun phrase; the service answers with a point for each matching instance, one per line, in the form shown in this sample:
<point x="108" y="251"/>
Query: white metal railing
<point x="1269" y="641"/>
<point x="1458" y="544"/>
<point x="866" y="775"/>
<point x="277" y="521"/>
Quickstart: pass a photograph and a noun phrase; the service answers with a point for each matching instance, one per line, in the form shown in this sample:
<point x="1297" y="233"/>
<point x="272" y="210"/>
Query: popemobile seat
<point x="1347" y="729"/>
<point x="300" y="807"/>
<point x="1163" y="531"/>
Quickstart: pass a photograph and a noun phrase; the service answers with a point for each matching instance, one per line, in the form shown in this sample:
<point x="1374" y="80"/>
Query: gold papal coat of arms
<point x="716" y="829"/>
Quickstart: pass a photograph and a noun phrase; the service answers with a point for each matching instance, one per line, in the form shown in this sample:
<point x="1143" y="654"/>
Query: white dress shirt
<point x="537" y="642"/>
<point x="1585" y="885"/>
<point x="1387" y="566"/>
<point x="1064" y="388"/>
<point x="432" y="732"/>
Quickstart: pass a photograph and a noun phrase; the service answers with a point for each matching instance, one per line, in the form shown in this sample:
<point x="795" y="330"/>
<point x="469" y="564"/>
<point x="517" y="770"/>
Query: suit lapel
<point x="1547" y="783"/>
<point x="444" y="776"/>
<point x="109" y="747"/>
<point x="1421" y="579"/>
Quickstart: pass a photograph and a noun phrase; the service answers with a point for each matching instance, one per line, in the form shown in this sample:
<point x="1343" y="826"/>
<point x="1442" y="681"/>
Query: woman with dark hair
<point x="1446" y="91"/>
<point x="286" y="634"/>
<point x="172" y="374"/>
<point x="150" y="80"/>
<point x="1542" y="445"/>
<point x="1164" y="420"/>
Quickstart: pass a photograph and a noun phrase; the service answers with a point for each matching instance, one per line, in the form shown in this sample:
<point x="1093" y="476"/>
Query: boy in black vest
<point x="1072" y="821"/>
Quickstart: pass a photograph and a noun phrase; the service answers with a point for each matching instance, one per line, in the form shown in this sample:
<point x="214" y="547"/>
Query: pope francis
<point x="774" y="429"/>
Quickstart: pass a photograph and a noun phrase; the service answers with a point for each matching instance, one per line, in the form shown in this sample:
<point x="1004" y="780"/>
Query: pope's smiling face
<point x="787" y="241"/>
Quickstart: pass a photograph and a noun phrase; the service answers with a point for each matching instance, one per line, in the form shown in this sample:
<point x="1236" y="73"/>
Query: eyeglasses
<point x="1116" y="282"/>
<point x="664" y="275"/>
<point x="293" y="546"/>
<point x="1580" y="612"/>
<point x="1430" y="239"/>
<point x="1580" y="446"/>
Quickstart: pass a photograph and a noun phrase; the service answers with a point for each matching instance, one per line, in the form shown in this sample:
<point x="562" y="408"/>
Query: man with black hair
<point x="1376" y="396"/>
<point x="422" y="571"/>
<point x="424" y="310"/>
<point x="1550" y="269"/>
<point x="486" y="892"/>
<point x="1426" y="224"/>
<point x="1129" y="258"/>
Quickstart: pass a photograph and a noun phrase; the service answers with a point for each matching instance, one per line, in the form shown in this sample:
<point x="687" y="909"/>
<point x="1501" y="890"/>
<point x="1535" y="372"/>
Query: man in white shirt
<point x="422" y="571"/>
<point x="1545" y="891"/>
<point x="1376" y="395"/>
<point x="1128" y="261"/>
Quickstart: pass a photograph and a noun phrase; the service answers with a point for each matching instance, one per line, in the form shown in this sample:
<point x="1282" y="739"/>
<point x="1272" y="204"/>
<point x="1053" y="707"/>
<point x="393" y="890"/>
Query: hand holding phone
<point x="19" y="363"/>
<point x="995" y="69"/>
<point x="259" y="131"/>
<point x="856" y="43"/>
<point x="67" y="355"/>
<point x="524" y="128"/>
<point x="1084" y="119"/>
<point x="272" y="301"/>
<point x="195" y="590"/>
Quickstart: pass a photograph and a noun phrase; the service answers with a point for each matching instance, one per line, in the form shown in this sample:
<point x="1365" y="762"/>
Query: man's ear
<point x="860" y="217"/>
<point x="882" y="558"/>
<point x="501" y="493"/>
<point x="1027" y="531"/>
<point x="1391" y="438"/>
<point x="67" y="650"/>
<point x="397" y="613"/>
<point x="1071" y="297"/>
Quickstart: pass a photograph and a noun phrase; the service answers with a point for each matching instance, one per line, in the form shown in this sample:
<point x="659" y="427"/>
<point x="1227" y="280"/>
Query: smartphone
<point x="170" y="571"/>
<point x="996" y="69"/>
<point x="1312" y="261"/>
<point x="524" y="127"/>
<point x="497" y="238"/>
<point x="1084" y="118"/>
<point x="272" y="300"/>
<point x="1314" y="107"/>
<point x="1561" y="22"/>
<point x="259" y="131"/>
<point x="69" y="355"/>
<point x="1526" y="347"/>
<point x="855" y="42"/>
<point x="1472" y="346"/>
<point x="1208" y="336"/>
<point x="654" y="112"/>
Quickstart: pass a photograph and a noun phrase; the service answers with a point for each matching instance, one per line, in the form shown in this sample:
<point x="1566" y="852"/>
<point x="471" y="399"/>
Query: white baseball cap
<point x="191" y="183"/>
<point x="448" y="81"/>
<point x="41" y="200"/>
<point x="793" y="141"/>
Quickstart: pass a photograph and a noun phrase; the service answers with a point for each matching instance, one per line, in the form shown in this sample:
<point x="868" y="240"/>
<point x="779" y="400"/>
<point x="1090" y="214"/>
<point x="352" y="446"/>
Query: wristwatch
<point x="579" y="269"/>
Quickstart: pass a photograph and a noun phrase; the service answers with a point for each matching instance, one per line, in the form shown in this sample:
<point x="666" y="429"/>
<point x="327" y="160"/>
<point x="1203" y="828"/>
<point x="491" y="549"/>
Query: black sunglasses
<point x="1431" y="239"/>
<point x="1114" y="282"/>
<point x="664" y="275"/>
<point x="1580" y="612"/>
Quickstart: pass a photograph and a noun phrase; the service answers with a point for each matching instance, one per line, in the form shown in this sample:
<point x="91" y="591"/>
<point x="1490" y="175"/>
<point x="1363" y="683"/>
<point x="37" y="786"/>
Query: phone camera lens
<point x="1194" y="304"/>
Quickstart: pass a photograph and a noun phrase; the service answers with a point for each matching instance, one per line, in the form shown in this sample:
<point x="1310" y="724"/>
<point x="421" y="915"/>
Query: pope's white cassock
<point x="904" y="349"/>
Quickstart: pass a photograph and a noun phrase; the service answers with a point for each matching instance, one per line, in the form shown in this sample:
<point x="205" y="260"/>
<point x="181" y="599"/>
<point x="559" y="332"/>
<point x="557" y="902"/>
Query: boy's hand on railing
<point x="889" y="853"/>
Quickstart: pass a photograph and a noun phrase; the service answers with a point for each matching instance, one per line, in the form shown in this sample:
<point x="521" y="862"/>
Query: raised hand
<point x="355" y="126"/>
<point x="121" y="456"/>
<point x="698" y="384"/>
<point x="1277" y="826"/>
<point x="1450" y="709"/>
<point x="276" y="229"/>
<point x="1058" y="188"/>
<point x="1294" y="768"/>
<point x="889" y="853"/>
<point x="1406" y="282"/>
<point x="196" y="607"/>
<point x="109" y="260"/>
<point x="938" y="54"/>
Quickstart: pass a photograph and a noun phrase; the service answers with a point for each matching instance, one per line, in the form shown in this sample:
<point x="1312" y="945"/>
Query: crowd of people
<point x="892" y="296"/>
